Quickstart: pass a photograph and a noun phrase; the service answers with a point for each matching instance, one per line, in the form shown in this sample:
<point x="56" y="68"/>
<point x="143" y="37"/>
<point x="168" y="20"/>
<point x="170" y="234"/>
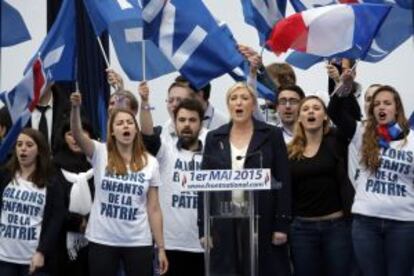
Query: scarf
<point x="81" y="203"/>
<point x="387" y="133"/>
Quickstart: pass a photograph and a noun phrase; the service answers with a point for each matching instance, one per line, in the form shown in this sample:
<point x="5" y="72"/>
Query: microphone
<point x="254" y="153"/>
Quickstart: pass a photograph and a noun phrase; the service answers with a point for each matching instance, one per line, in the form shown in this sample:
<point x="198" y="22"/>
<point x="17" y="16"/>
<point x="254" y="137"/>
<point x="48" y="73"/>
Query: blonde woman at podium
<point x="247" y="143"/>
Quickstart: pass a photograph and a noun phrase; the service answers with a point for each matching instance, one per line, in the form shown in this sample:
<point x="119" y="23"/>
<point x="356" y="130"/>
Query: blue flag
<point x="302" y="60"/>
<point x="263" y="15"/>
<point x="123" y="21"/>
<point x="191" y="39"/>
<point x="58" y="50"/>
<point x="12" y="28"/>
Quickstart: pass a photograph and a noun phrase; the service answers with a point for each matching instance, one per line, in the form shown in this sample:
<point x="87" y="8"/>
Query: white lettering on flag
<point x="133" y="35"/>
<point x="53" y="56"/>
<point x="152" y="9"/>
<point x="187" y="48"/>
<point x="124" y="4"/>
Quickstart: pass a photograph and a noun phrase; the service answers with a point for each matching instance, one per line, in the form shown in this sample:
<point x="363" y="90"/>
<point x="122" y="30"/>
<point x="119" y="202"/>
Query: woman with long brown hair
<point x="320" y="235"/>
<point x="126" y="206"/>
<point x="31" y="207"/>
<point x="383" y="208"/>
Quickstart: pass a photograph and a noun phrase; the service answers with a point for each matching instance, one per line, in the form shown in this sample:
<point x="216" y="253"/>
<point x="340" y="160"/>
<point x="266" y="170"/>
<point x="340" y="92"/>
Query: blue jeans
<point x="321" y="247"/>
<point x="383" y="247"/>
<point x="12" y="269"/>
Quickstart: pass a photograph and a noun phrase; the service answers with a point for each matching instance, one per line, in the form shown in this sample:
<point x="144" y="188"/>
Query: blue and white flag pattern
<point x="58" y="50"/>
<point x="191" y="39"/>
<point x="263" y="15"/>
<point x="123" y="20"/>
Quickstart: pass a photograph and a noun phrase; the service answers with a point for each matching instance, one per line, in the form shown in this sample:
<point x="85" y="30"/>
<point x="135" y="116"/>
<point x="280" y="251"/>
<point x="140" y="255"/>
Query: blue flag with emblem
<point x="191" y="39"/>
<point x="263" y="15"/>
<point x="58" y="50"/>
<point x="123" y="20"/>
<point x="13" y="30"/>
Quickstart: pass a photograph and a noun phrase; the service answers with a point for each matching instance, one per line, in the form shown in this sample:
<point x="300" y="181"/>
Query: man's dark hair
<point x="192" y="105"/>
<point x="295" y="88"/>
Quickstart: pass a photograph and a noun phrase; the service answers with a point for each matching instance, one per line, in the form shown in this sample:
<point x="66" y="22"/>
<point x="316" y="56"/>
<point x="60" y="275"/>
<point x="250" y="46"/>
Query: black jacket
<point x="274" y="206"/>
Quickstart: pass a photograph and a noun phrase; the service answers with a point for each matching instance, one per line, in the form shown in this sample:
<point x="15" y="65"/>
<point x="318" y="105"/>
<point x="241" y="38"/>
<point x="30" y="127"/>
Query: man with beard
<point x="179" y="208"/>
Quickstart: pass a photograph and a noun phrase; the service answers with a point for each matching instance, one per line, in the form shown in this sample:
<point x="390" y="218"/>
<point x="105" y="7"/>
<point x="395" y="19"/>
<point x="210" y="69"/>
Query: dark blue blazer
<point x="274" y="206"/>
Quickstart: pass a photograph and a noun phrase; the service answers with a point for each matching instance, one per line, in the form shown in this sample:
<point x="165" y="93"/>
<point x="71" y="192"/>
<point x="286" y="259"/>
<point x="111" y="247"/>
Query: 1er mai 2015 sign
<point x="226" y="180"/>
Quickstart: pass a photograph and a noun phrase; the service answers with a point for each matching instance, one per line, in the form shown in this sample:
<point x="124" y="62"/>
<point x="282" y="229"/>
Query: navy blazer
<point x="273" y="206"/>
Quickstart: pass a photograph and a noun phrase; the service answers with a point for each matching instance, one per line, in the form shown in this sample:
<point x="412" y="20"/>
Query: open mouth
<point x="126" y="134"/>
<point x="239" y="111"/>
<point x="311" y="119"/>
<point x="382" y="115"/>
<point x="23" y="156"/>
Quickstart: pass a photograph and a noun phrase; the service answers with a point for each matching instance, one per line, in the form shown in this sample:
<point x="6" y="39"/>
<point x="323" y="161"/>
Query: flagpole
<point x="144" y="75"/>
<point x="103" y="51"/>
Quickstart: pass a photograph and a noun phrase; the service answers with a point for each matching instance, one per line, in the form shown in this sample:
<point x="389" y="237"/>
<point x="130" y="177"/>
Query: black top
<point x="315" y="184"/>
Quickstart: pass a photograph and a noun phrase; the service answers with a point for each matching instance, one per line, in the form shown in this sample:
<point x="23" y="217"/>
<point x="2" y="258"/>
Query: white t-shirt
<point x="21" y="220"/>
<point x="119" y="211"/>
<point x="389" y="192"/>
<point x="179" y="208"/>
<point x="237" y="163"/>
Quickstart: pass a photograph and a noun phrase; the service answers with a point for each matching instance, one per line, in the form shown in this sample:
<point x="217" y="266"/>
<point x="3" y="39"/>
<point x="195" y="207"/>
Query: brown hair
<point x="370" y="148"/>
<point x="40" y="175"/>
<point x="139" y="154"/>
<point x="298" y="144"/>
<point x="183" y="83"/>
<point x="122" y="93"/>
<point x="282" y="74"/>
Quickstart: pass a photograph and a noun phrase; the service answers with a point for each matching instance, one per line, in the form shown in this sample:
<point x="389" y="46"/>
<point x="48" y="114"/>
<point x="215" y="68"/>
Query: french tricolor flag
<point x="328" y="30"/>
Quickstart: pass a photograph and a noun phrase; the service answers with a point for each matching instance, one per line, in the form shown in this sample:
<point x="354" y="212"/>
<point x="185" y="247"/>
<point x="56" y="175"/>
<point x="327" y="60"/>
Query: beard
<point x="187" y="140"/>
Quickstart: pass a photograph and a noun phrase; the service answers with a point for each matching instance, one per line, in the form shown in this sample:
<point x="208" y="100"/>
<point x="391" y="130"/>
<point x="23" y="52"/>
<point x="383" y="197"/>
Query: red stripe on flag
<point x="290" y="32"/>
<point x="39" y="81"/>
<point x="348" y="1"/>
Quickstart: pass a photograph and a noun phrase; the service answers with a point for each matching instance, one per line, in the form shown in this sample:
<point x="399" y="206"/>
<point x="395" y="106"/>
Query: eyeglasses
<point x="291" y="101"/>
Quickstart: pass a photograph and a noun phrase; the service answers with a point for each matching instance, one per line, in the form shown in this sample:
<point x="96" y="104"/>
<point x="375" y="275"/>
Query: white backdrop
<point x="394" y="70"/>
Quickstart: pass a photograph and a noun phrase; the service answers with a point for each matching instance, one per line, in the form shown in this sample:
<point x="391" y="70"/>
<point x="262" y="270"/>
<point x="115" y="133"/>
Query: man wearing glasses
<point x="287" y="106"/>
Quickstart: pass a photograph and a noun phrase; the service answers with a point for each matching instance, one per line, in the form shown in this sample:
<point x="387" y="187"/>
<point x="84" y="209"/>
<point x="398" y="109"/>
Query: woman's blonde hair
<point x="241" y="85"/>
<point x="116" y="164"/>
<point x="297" y="146"/>
<point x="370" y="148"/>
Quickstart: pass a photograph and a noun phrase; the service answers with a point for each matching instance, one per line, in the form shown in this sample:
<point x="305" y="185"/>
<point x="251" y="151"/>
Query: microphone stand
<point x="253" y="219"/>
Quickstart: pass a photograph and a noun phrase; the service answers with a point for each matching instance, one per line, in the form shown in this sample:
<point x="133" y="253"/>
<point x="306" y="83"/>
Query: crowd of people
<point x="343" y="203"/>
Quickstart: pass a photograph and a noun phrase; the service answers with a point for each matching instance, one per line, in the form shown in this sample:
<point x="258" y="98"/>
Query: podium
<point x="230" y="218"/>
<point x="233" y="228"/>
